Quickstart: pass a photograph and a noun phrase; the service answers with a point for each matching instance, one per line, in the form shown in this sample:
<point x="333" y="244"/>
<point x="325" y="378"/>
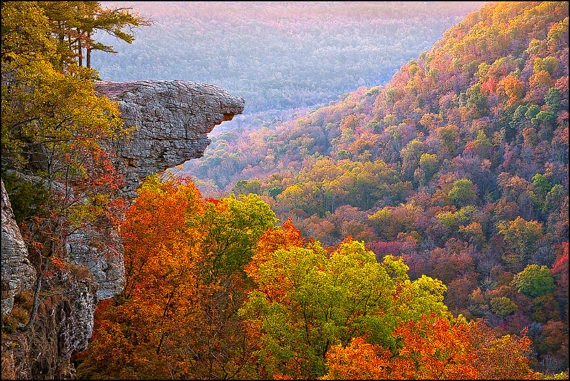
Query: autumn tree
<point x="463" y="192"/>
<point x="74" y="24"/>
<point x="359" y="360"/>
<point x="522" y="238"/>
<point x="307" y="300"/>
<point x="499" y="356"/>
<point x="434" y="348"/>
<point x="57" y="134"/>
<point x="161" y="254"/>
<point x="213" y="344"/>
<point x="184" y="260"/>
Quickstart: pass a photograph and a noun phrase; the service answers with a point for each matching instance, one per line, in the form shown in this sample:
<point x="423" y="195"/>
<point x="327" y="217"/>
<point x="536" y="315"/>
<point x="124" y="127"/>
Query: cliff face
<point x="18" y="273"/>
<point x="172" y="120"/>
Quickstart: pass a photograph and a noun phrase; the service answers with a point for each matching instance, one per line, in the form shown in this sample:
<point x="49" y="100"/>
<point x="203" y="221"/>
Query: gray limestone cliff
<point x="172" y="120"/>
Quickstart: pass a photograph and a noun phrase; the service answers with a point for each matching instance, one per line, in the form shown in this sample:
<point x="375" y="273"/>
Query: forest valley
<point x="417" y="230"/>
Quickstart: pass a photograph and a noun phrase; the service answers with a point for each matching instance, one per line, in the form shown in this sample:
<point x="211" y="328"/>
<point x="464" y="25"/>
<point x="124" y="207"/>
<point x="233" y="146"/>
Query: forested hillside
<point x="417" y="230"/>
<point x="217" y="290"/>
<point x="459" y="165"/>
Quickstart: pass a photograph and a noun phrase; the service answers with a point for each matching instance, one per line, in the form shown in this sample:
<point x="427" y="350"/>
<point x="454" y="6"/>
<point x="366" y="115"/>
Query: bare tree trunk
<point x="88" y="51"/>
<point x="79" y="49"/>
<point x="36" y="297"/>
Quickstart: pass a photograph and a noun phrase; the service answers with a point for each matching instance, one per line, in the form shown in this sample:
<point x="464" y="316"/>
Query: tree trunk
<point x="36" y="298"/>
<point x="88" y="51"/>
<point x="79" y="49"/>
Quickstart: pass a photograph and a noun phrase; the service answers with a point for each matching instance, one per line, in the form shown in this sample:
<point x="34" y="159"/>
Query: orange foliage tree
<point x="184" y="262"/>
<point x="434" y="348"/>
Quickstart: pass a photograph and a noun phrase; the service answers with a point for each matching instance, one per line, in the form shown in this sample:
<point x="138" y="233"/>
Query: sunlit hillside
<point x="459" y="164"/>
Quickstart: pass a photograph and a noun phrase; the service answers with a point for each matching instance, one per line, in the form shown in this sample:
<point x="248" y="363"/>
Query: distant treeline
<point x="275" y="55"/>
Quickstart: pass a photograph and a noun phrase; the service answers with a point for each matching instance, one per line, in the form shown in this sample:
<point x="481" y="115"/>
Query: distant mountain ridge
<point x="278" y="55"/>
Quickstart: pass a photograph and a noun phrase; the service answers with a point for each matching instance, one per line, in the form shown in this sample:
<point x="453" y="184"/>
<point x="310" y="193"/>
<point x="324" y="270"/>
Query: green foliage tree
<point x="534" y="281"/>
<point x="552" y="100"/>
<point x="247" y="186"/>
<point x="453" y="220"/>
<point x="234" y="226"/>
<point x="429" y="163"/>
<point x="477" y="101"/>
<point x="555" y="198"/>
<point x="463" y="192"/>
<point x="306" y="300"/>
<point x="502" y="305"/>
<point x="541" y="186"/>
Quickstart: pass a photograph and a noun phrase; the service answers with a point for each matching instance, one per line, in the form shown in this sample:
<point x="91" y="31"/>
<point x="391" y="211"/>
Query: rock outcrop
<point x="64" y="321"/>
<point x="172" y="120"/>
